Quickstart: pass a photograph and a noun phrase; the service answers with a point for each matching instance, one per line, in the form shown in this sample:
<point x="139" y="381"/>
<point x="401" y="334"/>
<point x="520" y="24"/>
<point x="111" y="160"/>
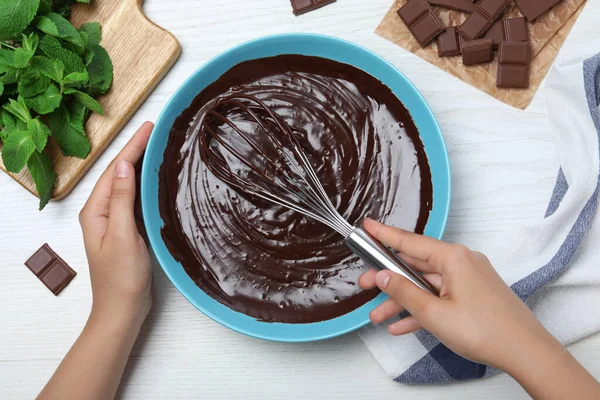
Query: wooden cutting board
<point x="142" y="53"/>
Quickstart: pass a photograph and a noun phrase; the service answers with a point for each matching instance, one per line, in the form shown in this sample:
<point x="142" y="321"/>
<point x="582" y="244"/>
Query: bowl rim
<point x="156" y="238"/>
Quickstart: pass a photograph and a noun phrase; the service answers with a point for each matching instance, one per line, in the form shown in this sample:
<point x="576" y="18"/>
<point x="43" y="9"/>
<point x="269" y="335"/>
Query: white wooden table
<point x="504" y="165"/>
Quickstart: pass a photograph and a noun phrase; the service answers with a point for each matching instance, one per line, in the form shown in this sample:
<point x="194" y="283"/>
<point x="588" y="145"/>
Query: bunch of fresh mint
<point x="50" y="74"/>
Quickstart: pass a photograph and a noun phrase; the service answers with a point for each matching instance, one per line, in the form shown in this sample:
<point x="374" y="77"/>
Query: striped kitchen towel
<point x="553" y="265"/>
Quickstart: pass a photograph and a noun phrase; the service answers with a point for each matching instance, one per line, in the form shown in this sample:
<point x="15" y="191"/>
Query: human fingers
<point x="417" y="264"/>
<point x="414" y="245"/>
<point x="97" y="203"/>
<point x="405" y="293"/>
<point x="404" y="326"/>
<point x="367" y="280"/>
<point x="121" y="219"/>
<point x="385" y="311"/>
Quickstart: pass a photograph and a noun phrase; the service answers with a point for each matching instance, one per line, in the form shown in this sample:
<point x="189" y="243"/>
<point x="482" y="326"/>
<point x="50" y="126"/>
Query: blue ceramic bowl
<point x="310" y="45"/>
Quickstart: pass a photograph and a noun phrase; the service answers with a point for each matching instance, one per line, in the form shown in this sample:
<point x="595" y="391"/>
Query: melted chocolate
<point x="267" y="261"/>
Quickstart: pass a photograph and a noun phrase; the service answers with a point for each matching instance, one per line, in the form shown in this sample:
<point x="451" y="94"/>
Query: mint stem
<point x="7" y="45"/>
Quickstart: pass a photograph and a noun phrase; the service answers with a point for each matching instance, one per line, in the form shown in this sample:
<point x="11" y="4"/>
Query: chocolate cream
<point x="262" y="259"/>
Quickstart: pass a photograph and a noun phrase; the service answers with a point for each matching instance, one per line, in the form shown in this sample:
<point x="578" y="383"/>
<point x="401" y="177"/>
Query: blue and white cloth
<point x="554" y="264"/>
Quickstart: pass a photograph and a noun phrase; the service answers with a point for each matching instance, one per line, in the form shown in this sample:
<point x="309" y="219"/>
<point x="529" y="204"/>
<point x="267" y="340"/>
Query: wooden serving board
<point x="142" y="53"/>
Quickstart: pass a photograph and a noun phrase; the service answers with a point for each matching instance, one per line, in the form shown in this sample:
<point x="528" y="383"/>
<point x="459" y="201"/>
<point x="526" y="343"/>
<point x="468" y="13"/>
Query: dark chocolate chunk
<point x="515" y="29"/>
<point x="513" y="68"/>
<point x="492" y="8"/>
<point x="475" y="26"/>
<point x="458" y="5"/>
<point x="57" y="277"/>
<point x="477" y="51"/>
<point x="427" y="28"/>
<point x="421" y="21"/>
<point x="412" y="11"/>
<point x="447" y="42"/>
<point x="303" y="6"/>
<point x="514" y="53"/>
<point x="480" y="20"/>
<point x="532" y="9"/>
<point x="496" y="34"/>
<point x="513" y="76"/>
<point x="40" y="260"/>
<point x="52" y="270"/>
<point x="510" y="29"/>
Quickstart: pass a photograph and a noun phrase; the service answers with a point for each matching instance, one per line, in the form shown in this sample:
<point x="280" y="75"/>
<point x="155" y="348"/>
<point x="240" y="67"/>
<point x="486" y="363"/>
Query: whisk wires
<point x="293" y="184"/>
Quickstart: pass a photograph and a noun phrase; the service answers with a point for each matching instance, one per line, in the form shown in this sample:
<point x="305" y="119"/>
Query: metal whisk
<point x="278" y="170"/>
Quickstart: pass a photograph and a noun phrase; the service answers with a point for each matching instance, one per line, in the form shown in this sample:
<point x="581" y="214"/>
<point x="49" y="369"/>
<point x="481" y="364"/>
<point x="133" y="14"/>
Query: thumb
<point x="405" y="293"/>
<point x="122" y="199"/>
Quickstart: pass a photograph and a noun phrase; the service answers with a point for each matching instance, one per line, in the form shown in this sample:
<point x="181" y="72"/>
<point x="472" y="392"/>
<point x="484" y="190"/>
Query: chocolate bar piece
<point x="447" y="43"/>
<point x="52" y="270"/>
<point x="421" y="21"/>
<point x="477" y="51"/>
<point x="480" y="20"/>
<point x="496" y="34"/>
<point x="515" y="29"/>
<point x="303" y="6"/>
<point x="458" y="5"/>
<point x="532" y="9"/>
<point x="513" y="68"/>
<point x="510" y="29"/>
<point x="514" y="53"/>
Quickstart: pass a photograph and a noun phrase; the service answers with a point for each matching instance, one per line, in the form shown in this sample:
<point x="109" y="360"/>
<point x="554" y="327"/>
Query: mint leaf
<point x="87" y="100"/>
<point x="101" y="71"/>
<point x="46" y="25"/>
<point x="85" y="38"/>
<point x="30" y="42"/>
<point x="1" y="88"/>
<point x="15" y="15"/>
<point x="46" y="102"/>
<point x="78" y="78"/>
<point x="78" y="113"/>
<point x="53" y="69"/>
<point x="51" y="48"/>
<point x="93" y="32"/>
<point x="18" y="147"/>
<point x="32" y="83"/>
<point x="88" y="56"/>
<point x="70" y="137"/>
<point x="22" y="58"/>
<point x="18" y="109"/>
<point x="43" y="175"/>
<point x="21" y="126"/>
<point x="6" y="58"/>
<point x="8" y="121"/>
<point x="11" y="75"/>
<point x="55" y="25"/>
<point x="39" y="133"/>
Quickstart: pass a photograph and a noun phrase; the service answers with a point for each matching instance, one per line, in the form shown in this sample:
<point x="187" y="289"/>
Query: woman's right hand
<point x="477" y="315"/>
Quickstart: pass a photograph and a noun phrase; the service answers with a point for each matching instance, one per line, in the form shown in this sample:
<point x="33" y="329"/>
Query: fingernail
<point x="382" y="279"/>
<point x="122" y="170"/>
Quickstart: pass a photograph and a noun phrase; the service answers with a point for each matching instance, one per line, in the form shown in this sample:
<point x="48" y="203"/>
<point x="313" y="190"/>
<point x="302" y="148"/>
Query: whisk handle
<point x="380" y="257"/>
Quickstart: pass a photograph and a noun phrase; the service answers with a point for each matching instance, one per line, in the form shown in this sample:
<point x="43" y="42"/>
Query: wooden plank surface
<point x="504" y="164"/>
<point x="142" y="53"/>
